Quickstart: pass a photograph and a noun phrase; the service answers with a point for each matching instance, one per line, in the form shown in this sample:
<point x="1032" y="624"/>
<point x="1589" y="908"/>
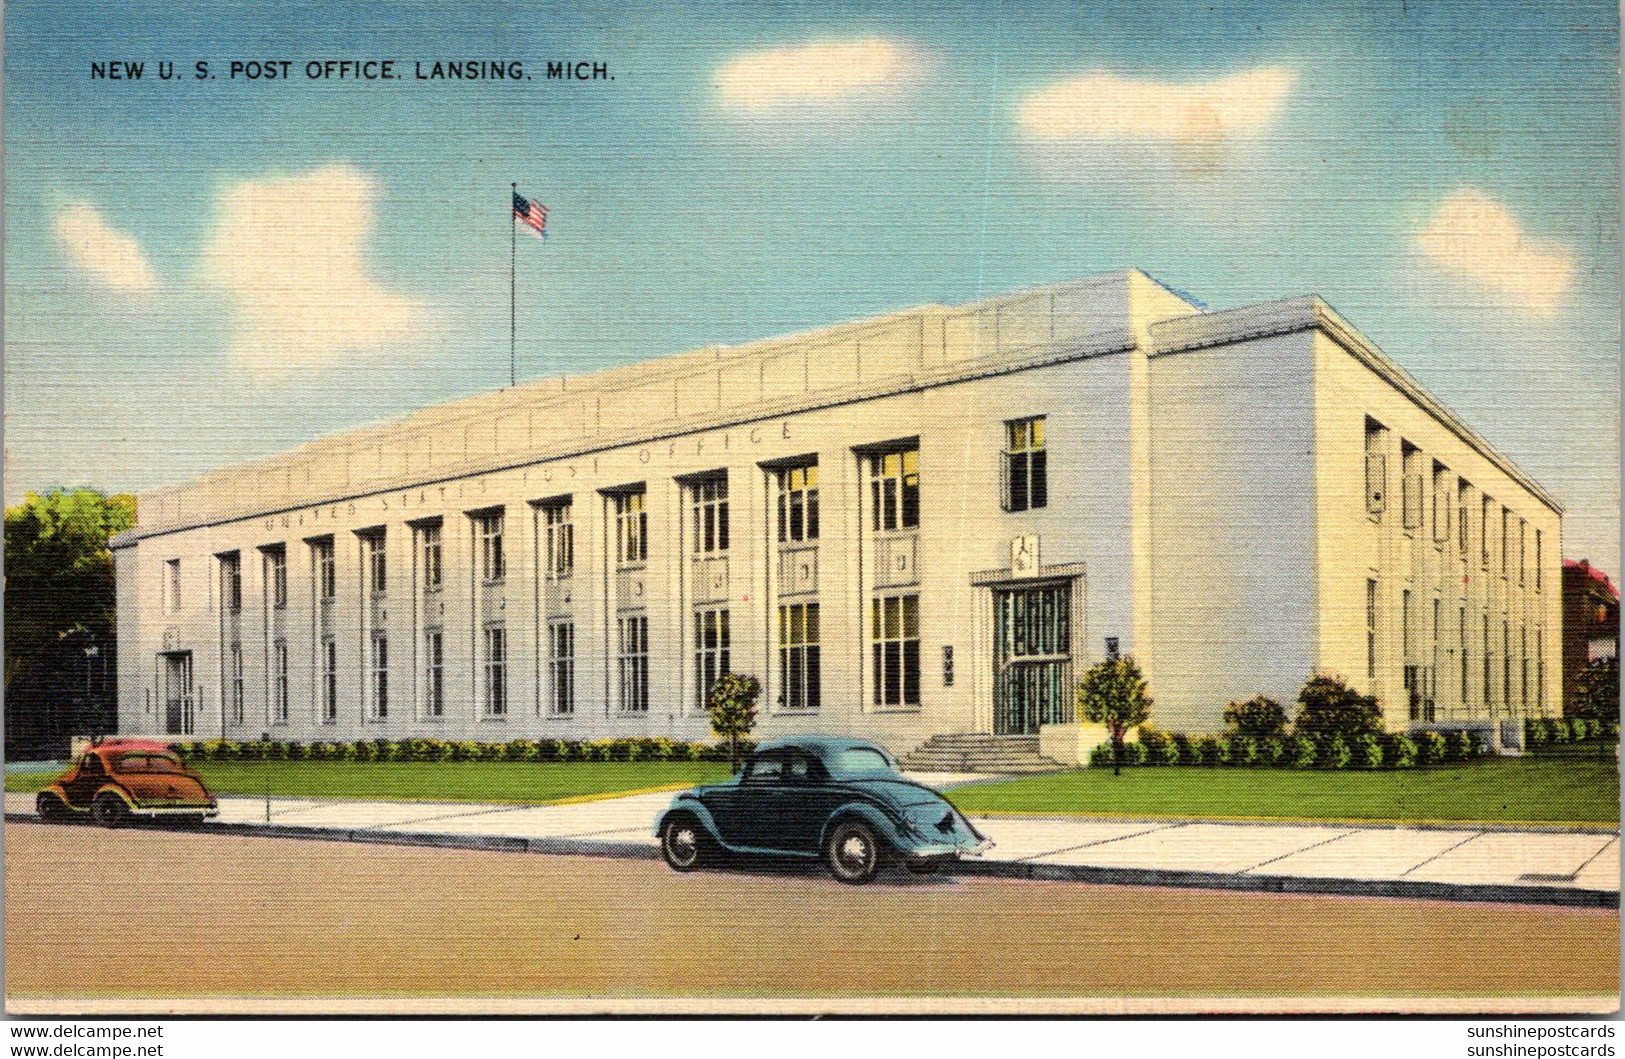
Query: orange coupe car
<point x="119" y="781"/>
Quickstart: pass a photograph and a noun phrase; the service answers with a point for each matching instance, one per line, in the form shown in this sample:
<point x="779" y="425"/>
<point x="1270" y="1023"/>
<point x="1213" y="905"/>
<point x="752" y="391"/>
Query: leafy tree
<point x="1596" y="693"/>
<point x="1114" y="693"/>
<point x="1260" y="717"/>
<point x="1328" y="707"/>
<point x="59" y="603"/>
<point x="732" y="706"/>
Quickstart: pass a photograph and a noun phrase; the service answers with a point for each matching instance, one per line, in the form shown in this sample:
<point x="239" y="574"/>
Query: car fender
<point x="115" y="789"/>
<point x="56" y="791"/>
<point x="697" y="810"/>
<point x="884" y="826"/>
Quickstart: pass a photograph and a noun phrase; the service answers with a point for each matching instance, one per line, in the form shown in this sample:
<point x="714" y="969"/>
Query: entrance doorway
<point x="180" y="707"/>
<point x="1032" y="658"/>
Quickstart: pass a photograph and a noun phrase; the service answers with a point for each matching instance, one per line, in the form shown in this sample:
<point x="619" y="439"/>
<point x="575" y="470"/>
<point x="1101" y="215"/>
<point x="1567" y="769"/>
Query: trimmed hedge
<point x="420" y="750"/>
<point x="1393" y="750"/>
<point x="1558" y="731"/>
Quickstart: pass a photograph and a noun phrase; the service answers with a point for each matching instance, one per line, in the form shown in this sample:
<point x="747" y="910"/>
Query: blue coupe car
<point x="842" y="799"/>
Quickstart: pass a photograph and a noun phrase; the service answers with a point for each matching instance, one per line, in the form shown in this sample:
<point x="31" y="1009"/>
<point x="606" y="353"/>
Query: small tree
<point x="1260" y="717"/>
<point x="732" y="706"/>
<point x="1328" y="707"/>
<point x="1113" y="693"/>
<point x="1596" y="693"/>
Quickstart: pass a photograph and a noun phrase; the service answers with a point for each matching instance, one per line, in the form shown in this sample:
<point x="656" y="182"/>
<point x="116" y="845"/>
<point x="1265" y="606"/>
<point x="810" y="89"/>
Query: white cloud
<point x="1472" y="236"/>
<point x="112" y="256"/>
<point x="823" y="72"/>
<point x="288" y="251"/>
<point x="1103" y="106"/>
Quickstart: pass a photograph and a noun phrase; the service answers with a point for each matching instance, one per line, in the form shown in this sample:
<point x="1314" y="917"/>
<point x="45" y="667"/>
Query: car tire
<point x="853" y="852"/>
<point x="50" y="809"/>
<point x="683" y="842"/>
<point x="110" y="811"/>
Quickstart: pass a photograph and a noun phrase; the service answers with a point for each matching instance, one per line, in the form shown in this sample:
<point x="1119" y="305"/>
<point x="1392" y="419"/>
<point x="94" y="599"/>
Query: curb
<point x="1561" y="896"/>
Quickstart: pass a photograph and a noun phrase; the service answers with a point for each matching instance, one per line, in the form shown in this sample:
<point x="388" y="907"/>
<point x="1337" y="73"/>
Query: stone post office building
<point x="929" y="522"/>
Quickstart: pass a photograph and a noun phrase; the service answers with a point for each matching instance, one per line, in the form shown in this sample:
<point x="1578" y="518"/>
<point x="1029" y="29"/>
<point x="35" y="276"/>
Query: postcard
<point x="949" y="509"/>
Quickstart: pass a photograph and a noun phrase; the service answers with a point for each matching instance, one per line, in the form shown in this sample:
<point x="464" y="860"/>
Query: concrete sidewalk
<point x="1579" y="866"/>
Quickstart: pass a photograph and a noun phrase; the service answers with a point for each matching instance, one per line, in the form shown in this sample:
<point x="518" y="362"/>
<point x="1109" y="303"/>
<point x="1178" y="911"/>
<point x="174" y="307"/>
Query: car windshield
<point x="855" y="760"/>
<point x="147" y="763"/>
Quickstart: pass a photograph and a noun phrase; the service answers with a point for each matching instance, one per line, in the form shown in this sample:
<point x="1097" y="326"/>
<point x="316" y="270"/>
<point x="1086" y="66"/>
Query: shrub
<point x="1596" y="693"/>
<point x="1260" y="717"/>
<point x="1560" y="731"/>
<point x="1534" y="732"/>
<point x="1613" y="731"/>
<point x="1303" y="751"/>
<point x="1208" y="751"/>
<point x="1335" y="753"/>
<point x="344" y="751"/>
<point x="731" y="705"/>
<point x="1367" y="752"/>
<point x="635" y="750"/>
<point x="1272" y="751"/>
<point x="298" y="751"/>
<point x="1327" y="707"/>
<point x="1184" y="749"/>
<point x="1101" y="756"/>
<point x="1134" y="754"/>
<point x="321" y="751"/>
<point x="1159" y="748"/>
<point x="1465" y="746"/>
<point x="694" y="751"/>
<point x="362" y="750"/>
<point x="1243" y="751"/>
<point x="1401" y="751"/>
<point x="662" y="749"/>
<point x="1431" y="747"/>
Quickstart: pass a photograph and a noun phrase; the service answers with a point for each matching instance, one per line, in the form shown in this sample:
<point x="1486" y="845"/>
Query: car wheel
<point x="853" y="852"/>
<point x="683" y="842"/>
<point x="49" y="808"/>
<point x="110" y="810"/>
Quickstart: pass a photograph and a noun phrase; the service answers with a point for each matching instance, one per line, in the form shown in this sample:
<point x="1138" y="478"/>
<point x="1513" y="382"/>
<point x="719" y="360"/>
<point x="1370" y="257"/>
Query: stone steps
<point x="979" y="752"/>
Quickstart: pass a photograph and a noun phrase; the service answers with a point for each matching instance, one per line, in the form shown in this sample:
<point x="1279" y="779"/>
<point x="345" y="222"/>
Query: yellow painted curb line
<point x="1010" y="813"/>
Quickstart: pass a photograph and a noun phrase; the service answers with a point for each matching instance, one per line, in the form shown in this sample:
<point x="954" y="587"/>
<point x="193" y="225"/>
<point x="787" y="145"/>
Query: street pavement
<point x="1555" y="865"/>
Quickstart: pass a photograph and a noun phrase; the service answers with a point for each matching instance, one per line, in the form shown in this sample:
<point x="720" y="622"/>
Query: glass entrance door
<point x="179" y="707"/>
<point x="1032" y="658"/>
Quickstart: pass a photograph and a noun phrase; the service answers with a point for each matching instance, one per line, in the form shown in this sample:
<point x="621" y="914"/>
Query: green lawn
<point x="450" y="781"/>
<point x="1576" y="790"/>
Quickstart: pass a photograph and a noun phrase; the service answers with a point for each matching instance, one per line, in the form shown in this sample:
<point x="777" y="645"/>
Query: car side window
<point x="769" y="768"/>
<point x="799" y="768"/>
<point x="90" y="765"/>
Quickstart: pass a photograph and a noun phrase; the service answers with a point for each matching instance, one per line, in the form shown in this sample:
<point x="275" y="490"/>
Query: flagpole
<point x="513" y="303"/>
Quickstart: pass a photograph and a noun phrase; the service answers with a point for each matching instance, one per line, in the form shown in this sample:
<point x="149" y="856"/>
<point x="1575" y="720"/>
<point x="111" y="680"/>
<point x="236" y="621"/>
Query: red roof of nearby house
<point x="1595" y="574"/>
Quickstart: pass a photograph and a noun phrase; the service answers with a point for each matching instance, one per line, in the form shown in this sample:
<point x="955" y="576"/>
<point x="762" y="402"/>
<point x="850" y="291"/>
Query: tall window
<point x="1376" y="468"/>
<point x="1506" y="540"/>
<point x="327" y="581"/>
<point x="1523" y="666"/>
<point x="1538" y="577"/>
<point x="276" y="575"/>
<point x="172" y="586"/>
<point x="493" y="564"/>
<point x="895" y="641"/>
<point x="1371" y="631"/>
<point x="1462" y="520"/>
<point x="894" y="489"/>
<point x="378" y="692"/>
<point x="374" y="549"/>
<point x="561" y="661"/>
<point x="279" y="687"/>
<point x="231" y="583"/>
<point x="1412" y="498"/>
<point x="632" y="661"/>
<point x="434" y="674"/>
<point x="236" y="686"/>
<point x="798" y="656"/>
<point x="1444" y="502"/>
<point x="1434" y="632"/>
<point x="1485" y="508"/>
<point x="1461" y="646"/>
<point x="1489" y="669"/>
<point x="711" y="644"/>
<point x="429" y="556"/>
<point x="494" y="660"/>
<point x="1026" y="472"/>
<point x="631" y="527"/>
<point x="330" y="680"/>
<point x="1506" y="664"/>
<point x="558" y="538"/>
<point x="1523" y="531"/>
<point x="1540" y="669"/>
<point x="798" y="503"/>
<point x="708" y="508"/>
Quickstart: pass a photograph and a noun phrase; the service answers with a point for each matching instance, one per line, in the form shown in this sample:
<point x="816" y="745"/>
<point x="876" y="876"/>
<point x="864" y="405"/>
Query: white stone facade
<point x="1000" y="489"/>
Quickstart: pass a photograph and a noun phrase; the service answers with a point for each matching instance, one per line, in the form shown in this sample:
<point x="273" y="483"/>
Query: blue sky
<point x="1444" y="174"/>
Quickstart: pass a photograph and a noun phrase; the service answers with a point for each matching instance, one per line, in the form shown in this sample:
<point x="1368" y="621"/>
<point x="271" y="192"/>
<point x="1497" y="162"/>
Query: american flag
<point x="533" y="214"/>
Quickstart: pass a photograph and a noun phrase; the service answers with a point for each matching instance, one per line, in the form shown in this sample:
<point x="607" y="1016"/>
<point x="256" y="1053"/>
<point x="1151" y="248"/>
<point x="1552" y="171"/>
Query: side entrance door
<point x="1032" y="658"/>
<point x="179" y="708"/>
